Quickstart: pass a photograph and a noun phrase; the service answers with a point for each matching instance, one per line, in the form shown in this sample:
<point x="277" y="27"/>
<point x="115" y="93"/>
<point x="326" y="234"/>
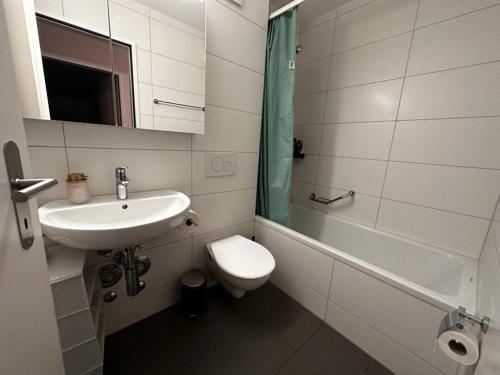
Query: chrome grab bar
<point x="157" y="101"/>
<point x="24" y="188"/>
<point x="329" y="201"/>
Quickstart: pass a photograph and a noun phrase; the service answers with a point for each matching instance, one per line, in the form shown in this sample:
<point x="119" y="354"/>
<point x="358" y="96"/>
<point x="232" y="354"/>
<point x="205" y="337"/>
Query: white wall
<point x="488" y="298"/>
<point x="163" y="160"/>
<point x="170" y="57"/>
<point x="399" y="100"/>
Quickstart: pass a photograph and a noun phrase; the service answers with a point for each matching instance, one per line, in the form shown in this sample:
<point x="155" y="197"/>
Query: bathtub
<point x="385" y="293"/>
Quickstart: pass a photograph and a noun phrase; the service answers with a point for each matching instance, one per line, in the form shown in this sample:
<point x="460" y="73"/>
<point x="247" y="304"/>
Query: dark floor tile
<point x="376" y="368"/>
<point x="278" y="314"/>
<point x="260" y="334"/>
<point x="163" y="351"/>
<point x="327" y="352"/>
<point x="255" y="353"/>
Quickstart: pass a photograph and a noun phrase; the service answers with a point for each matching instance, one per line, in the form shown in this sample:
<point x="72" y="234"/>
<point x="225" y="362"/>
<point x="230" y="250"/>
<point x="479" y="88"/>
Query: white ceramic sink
<point x="106" y="223"/>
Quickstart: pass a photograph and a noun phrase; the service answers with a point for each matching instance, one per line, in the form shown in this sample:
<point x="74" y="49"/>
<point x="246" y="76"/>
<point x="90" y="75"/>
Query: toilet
<point x="239" y="264"/>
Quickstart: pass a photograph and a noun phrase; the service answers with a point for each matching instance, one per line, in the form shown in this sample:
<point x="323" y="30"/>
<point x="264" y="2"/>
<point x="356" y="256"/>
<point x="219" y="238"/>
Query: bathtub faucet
<point x="329" y="201"/>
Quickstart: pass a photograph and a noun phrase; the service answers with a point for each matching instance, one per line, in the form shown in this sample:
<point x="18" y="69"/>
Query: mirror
<point x="128" y="63"/>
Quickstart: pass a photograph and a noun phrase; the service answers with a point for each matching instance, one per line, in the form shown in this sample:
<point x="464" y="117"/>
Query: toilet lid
<point x="240" y="257"/>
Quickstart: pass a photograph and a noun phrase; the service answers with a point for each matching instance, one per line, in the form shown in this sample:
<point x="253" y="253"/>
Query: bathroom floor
<point x="266" y="332"/>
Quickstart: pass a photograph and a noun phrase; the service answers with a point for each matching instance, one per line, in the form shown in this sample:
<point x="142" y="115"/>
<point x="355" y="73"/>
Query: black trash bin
<point x="194" y="293"/>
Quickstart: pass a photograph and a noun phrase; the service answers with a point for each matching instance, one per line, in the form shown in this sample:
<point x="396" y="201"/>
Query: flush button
<point x="220" y="164"/>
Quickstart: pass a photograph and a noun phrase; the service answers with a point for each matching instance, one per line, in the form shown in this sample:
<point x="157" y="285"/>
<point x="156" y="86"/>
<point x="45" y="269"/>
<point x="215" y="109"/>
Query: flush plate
<point x="220" y="164"/>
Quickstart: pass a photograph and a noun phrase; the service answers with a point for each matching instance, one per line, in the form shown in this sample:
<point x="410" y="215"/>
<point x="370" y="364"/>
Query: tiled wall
<point x="399" y="100"/>
<point x="488" y="298"/>
<point x="170" y="56"/>
<point x="164" y="160"/>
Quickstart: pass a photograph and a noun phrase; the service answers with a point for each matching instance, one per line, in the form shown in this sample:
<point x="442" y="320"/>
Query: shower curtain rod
<point x="284" y="8"/>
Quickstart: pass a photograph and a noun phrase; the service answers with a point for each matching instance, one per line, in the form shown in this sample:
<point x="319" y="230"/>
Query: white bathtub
<point x="385" y="293"/>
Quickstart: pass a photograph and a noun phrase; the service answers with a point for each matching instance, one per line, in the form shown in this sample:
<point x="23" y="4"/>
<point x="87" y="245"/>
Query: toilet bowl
<point x="239" y="264"/>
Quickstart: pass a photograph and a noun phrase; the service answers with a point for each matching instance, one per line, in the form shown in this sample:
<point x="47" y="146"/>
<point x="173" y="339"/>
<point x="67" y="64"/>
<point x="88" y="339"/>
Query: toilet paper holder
<point x="458" y="316"/>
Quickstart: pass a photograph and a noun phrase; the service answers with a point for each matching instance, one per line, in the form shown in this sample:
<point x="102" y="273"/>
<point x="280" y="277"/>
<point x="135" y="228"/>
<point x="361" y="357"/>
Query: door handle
<point x="24" y="188"/>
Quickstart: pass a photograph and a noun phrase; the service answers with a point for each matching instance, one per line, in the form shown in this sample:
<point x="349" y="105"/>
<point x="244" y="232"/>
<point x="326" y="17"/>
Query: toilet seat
<point x="241" y="257"/>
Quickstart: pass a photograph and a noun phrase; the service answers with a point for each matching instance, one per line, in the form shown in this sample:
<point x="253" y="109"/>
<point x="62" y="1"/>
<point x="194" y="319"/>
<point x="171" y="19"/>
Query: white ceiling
<point x="309" y="9"/>
<point x="191" y="12"/>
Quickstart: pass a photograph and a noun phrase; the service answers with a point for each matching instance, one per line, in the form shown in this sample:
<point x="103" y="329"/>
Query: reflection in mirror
<point x="82" y="75"/>
<point x="168" y="50"/>
<point x="143" y="67"/>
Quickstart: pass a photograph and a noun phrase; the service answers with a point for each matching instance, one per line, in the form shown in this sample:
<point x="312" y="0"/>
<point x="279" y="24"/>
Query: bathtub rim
<point x="467" y="291"/>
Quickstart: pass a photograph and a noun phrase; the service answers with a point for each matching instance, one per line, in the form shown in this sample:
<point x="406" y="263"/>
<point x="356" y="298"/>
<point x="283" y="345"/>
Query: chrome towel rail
<point x="158" y="101"/>
<point x="329" y="201"/>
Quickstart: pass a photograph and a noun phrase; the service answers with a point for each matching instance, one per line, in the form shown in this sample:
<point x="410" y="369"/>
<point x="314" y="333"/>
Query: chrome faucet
<point x="121" y="183"/>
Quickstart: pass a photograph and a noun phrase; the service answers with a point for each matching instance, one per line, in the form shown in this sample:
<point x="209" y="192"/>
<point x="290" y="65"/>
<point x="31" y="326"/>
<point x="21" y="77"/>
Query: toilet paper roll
<point x="461" y="344"/>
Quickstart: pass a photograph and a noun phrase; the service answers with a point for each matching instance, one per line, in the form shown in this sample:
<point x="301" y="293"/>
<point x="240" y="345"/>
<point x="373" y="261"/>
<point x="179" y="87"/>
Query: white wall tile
<point x="383" y="349"/>
<point x="235" y="39"/>
<point x="373" y="102"/>
<point x="143" y="65"/>
<point x="171" y="21"/>
<point x="141" y="307"/>
<point x="44" y="133"/>
<point x="129" y="26"/>
<point x="361" y="209"/>
<point x="300" y="192"/>
<point x="311" y="136"/>
<point x="232" y="86"/>
<point x="169" y="263"/>
<point x="458" y="233"/>
<point x="133" y="5"/>
<point x="448" y="188"/>
<point x="224" y="209"/>
<point x="361" y="175"/>
<point x="52" y="8"/>
<point x="145" y="98"/>
<point x="432" y="11"/>
<point x="177" y="125"/>
<point x="256" y="11"/>
<point x="360" y="140"/>
<point x="49" y="162"/>
<point x="353" y="291"/>
<point x="467" y="40"/>
<point x="316" y="42"/>
<point x="177" y="44"/>
<point x="229" y="130"/>
<point x="146" y="122"/>
<point x="376" y="62"/>
<point x="312" y="77"/>
<point x="260" y="233"/>
<point x="304" y="170"/>
<point x="465" y="92"/>
<point x="175" y="96"/>
<point x="308" y="265"/>
<point x="469" y="142"/>
<point x="305" y="23"/>
<point x="309" y="109"/>
<point x="147" y="169"/>
<point x="375" y="21"/>
<point x="488" y="296"/>
<point x="351" y="5"/>
<point x="99" y="136"/>
<point x="245" y="178"/>
<point x="91" y="14"/>
<point x="177" y="75"/>
<point x="299" y="291"/>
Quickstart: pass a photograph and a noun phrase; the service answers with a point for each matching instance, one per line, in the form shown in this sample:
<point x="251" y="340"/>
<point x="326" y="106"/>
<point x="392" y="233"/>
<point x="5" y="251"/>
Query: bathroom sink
<point x="106" y="223"/>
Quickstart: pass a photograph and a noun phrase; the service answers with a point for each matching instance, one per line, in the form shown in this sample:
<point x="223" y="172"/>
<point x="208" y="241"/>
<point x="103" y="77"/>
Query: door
<point x="29" y="342"/>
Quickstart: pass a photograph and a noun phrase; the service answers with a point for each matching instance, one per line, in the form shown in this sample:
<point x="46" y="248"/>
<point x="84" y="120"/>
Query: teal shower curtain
<point x="276" y="143"/>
